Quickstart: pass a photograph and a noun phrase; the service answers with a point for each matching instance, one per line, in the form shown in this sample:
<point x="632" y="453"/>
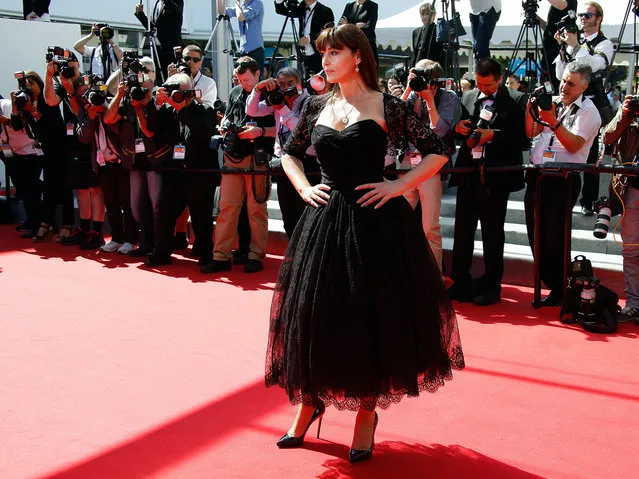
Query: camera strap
<point x="567" y="112"/>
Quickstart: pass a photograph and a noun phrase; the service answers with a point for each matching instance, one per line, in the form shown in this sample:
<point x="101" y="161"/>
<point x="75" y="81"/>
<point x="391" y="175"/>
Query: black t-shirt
<point x="554" y="15"/>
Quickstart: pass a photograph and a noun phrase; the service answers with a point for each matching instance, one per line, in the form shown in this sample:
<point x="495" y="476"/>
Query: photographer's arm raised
<point x="571" y="142"/>
<point x="112" y="115"/>
<point x="533" y="128"/>
<point x="80" y="44"/>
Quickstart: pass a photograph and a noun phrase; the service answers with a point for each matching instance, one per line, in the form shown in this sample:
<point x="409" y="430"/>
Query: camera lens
<point x="418" y="83"/>
<point x="67" y="72"/>
<point x="138" y="93"/>
<point x="96" y="98"/>
<point x="21" y="99"/>
<point x="177" y="96"/>
<point x="276" y="98"/>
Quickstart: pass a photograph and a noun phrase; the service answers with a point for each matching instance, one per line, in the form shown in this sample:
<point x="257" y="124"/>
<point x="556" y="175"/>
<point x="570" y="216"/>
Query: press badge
<point x="6" y="150"/>
<point x="179" y="152"/>
<point x="549" y="155"/>
<point x="70" y="129"/>
<point x="478" y="152"/>
<point x="139" y="146"/>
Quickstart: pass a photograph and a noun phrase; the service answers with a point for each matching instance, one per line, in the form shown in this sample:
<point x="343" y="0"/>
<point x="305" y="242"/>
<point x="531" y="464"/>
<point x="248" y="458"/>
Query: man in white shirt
<point x="192" y="56"/>
<point x="566" y="135"/>
<point x="98" y="64"/>
<point x="484" y="15"/>
<point x="597" y="51"/>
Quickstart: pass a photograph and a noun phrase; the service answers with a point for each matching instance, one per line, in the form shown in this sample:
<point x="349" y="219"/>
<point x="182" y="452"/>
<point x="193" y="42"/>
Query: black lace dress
<point x="360" y="315"/>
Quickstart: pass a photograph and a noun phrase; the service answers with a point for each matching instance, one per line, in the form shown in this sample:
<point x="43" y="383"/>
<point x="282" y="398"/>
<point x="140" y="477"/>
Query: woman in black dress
<point x="360" y="316"/>
<point x="363" y="14"/>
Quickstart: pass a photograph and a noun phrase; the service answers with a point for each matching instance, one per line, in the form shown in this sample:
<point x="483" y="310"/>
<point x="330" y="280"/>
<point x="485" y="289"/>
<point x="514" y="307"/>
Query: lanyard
<point x="564" y="114"/>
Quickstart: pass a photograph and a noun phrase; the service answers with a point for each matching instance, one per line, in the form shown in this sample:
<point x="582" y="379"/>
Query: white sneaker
<point x="126" y="248"/>
<point x="110" y="247"/>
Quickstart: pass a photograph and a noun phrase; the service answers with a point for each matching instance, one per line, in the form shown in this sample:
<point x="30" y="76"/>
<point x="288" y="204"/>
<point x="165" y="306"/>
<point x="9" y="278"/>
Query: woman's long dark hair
<point x="353" y="38"/>
<point x="34" y="77"/>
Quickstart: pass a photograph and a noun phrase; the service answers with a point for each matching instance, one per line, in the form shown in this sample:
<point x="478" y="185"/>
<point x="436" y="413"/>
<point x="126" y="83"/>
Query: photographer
<point x="437" y="108"/>
<point x="107" y="159"/>
<point x="484" y="197"/>
<point x="64" y="89"/>
<point x="624" y="130"/>
<point x="166" y="28"/>
<point x="244" y="147"/>
<point x="192" y="56"/>
<point x="285" y="102"/>
<point x="425" y="44"/>
<point x="188" y="125"/>
<point x="571" y="126"/>
<point x="103" y="59"/>
<point x="313" y="17"/>
<point x="595" y="50"/>
<point x="142" y="150"/>
<point x="557" y="11"/>
<point x="250" y="15"/>
<point x="363" y="14"/>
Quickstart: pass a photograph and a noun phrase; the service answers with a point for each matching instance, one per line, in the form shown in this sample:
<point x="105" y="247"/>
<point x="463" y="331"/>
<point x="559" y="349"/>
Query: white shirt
<point x="96" y="60"/>
<point x="208" y="87"/>
<point x="19" y="141"/>
<point x="584" y="123"/>
<point x="308" y="48"/>
<point x="482" y="6"/>
<point x="596" y="62"/>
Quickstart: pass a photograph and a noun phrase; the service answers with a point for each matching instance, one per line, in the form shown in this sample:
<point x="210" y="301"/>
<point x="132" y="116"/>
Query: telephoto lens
<point x="602" y="225"/>
<point x="275" y="97"/>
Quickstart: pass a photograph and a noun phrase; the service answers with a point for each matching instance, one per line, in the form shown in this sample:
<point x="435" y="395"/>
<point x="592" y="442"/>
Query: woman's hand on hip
<point x="379" y="192"/>
<point x="316" y="195"/>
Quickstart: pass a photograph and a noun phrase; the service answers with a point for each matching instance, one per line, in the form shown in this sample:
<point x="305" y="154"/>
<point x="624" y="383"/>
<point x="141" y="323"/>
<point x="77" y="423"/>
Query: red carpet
<point x="109" y="370"/>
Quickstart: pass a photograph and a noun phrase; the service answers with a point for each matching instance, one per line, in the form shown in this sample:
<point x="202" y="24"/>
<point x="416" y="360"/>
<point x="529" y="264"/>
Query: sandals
<point x="45" y="233"/>
<point x="64" y="232"/>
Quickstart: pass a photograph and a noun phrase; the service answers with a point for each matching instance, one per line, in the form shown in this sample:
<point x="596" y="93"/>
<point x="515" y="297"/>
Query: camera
<point x="178" y="96"/>
<point x="568" y="23"/>
<point x="131" y="63"/>
<point x="485" y="118"/>
<point x="542" y="96"/>
<point x="604" y="213"/>
<point x="24" y="93"/>
<point x="105" y="32"/>
<point x="424" y="79"/>
<point x="133" y="82"/>
<point x="61" y="57"/>
<point x="180" y="65"/>
<point x="291" y="8"/>
<point x="97" y="92"/>
<point x="228" y="141"/>
<point x="277" y="96"/>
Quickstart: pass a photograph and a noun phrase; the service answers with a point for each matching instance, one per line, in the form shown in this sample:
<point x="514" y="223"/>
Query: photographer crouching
<point x="624" y="130"/>
<point x="589" y="46"/>
<point x="244" y="148"/>
<point x="567" y="127"/>
<point x="285" y="99"/>
<point x="187" y="126"/>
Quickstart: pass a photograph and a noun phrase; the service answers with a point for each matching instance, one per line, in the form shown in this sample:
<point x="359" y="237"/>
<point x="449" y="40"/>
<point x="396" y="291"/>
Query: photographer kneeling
<point x="570" y="125"/>
<point x="193" y="124"/>
<point x="244" y="148"/>
<point x="285" y="102"/>
<point x="624" y="128"/>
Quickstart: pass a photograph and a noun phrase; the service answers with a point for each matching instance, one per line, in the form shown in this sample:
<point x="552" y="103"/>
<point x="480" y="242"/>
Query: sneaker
<point x="216" y="266"/>
<point x="253" y="266"/>
<point x="75" y="238"/>
<point x="111" y="247"/>
<point x="93" y="240"/>
<point x="628" y="314"/>
<point x="587" y="211"/>
<point x="126" y="248"/>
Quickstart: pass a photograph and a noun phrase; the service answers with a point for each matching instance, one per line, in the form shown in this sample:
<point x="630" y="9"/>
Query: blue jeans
<point x="482" y="27"/>
<point x="146" y="187"/>
<point x="630" y="235"/>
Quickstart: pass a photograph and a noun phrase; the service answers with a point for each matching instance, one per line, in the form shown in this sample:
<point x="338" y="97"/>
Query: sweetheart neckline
<point x="352" y="125"/>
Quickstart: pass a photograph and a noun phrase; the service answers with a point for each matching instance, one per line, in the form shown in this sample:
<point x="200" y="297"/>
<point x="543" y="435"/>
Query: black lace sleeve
<point x="404" y="127"/>
<point x="300" y="138"/>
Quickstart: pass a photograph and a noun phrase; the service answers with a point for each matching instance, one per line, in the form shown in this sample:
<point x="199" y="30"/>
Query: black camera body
<point x="277" y="96"/>
<point x="131" y="63"/>
<point x="290" y="7"/>
<point x="61" y="58"/>
<point x="133" y="82"/>
<point x="542" y="96"/>
<point x="633" y="105"/>
<point x="424" y="79"/>
<point x="178" y="96"/>
<point x="179" y="64"/>
<point x="228" y="140"/>
<point x="97" y="92"/>
<point x="24" y="93"/>
<point x="568" y="23"/>
<point x="105" y="32"/>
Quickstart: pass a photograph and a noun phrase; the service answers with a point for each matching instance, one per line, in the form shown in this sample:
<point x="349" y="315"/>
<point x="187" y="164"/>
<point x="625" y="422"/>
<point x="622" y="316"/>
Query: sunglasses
<point x="193" y="59"/>
<point x="587" y="15"/>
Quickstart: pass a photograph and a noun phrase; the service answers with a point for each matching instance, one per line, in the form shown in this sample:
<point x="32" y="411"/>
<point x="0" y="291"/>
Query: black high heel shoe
<point x="45" y="233"/>
<point x="287" y="441"/>
<point x="359" y="455"/>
